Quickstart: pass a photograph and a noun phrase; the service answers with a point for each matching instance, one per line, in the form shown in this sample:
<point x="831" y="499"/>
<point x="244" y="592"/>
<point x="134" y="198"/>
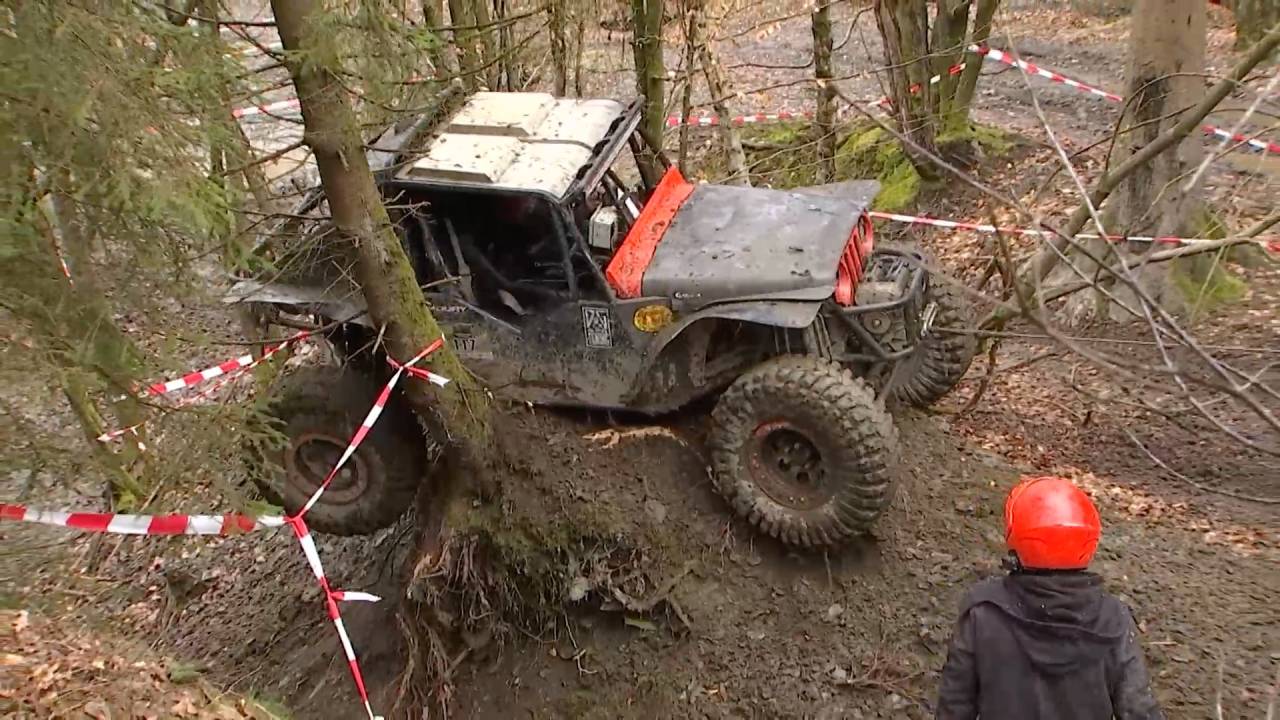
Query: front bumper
<point x="902" y="307"/>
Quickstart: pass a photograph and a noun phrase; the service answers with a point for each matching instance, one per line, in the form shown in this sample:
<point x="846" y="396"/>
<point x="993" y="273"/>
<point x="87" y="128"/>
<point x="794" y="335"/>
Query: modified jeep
<point x="572" y="265"/>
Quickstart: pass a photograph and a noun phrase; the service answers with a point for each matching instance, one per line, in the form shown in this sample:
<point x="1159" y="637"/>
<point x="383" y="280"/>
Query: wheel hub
<point x="309" y="460"/>
<point x="788" y="467"/>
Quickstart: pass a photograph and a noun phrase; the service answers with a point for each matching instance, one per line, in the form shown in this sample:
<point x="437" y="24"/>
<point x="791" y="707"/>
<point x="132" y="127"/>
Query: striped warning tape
<point x="956" y="69"/>
<point x="372" y="417"/>
<point x="331" y="600"/>
<point x="1271" y="244"/>
<point x="275" y="108"/>
<point x="230" y="366"/>
<point x="1251" y="142"/>
<point x="1032" y="68"/>
<point x="673" y="121"/>
<point x="224" y="525"/>
<point x="226" y="370"/>
<point x="713" y="120"/>
<point x="232" y="523"/>
<point x="228" y="524"/>
<point x="185" y="402"/>
<point x="299" y="526"/>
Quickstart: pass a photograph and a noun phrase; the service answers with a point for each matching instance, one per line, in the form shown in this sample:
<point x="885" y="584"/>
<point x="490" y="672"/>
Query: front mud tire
<point x="831" y="478"/>
<point x="320" y="409"/>
<point x="942" y="358"/>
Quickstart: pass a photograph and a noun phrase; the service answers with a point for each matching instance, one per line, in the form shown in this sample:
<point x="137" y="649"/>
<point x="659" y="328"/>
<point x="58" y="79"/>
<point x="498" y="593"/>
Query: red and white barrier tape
<point x="299" y="526"/>
<point x="1271" y="244"/>
<point x="1032" y="68"/>
<point x="230" y="366"/>
<point x="231" y="523"/>
<point x="1251" y="142"/>
<point x="331" y="600"/>
<point x="226" y="370"/>
<point x="228" y="524"/>
<point x="956" y="69"/>
<point x="185" y="402"/>
<point x="372" y="417"/>
<point x="713" y="120"/>
<point x="274" y="108"/>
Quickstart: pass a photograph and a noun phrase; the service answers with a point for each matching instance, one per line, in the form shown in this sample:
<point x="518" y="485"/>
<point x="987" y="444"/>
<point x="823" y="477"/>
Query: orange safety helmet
<point x="1050" y="524"/>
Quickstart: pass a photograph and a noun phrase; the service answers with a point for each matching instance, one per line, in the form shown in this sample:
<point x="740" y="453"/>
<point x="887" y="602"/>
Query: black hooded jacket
<point x="1045" y="646"/>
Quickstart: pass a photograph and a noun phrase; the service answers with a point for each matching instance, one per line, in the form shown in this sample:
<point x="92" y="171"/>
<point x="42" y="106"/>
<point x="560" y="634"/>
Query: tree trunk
<point x="459" y="412"/>
<point x="442" y="57"/>
<point x="931" y="98"/>
<point x="957" y="93"/>
<point x="1166" y="59"/>
<point x="650" y="72"/>
<point x="720" y="91"/>
<point x="464" y="38"/>
<point x="1253" y="19"/>
<point x="825" y="117"/>
<point x="1167" y="50"/>
<point x="488" y="42"/>
<point x="559" y="47"/>
<point x="73" y="324"/>
<point x="904" y="28"/>
<point x="686" y="93"/>
<point x="509" y="64"/>
<point x="580" y="23"/>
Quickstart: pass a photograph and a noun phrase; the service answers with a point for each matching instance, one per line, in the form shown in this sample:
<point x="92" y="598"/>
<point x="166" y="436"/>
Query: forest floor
<point x="213" y="627"/>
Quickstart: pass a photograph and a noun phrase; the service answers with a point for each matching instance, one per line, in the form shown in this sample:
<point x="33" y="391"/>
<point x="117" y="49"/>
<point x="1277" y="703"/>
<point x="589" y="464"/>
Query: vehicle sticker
<point x="597" y="326"/>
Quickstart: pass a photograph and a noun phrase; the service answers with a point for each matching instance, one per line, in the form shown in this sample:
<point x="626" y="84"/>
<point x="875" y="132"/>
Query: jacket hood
<point x="1061" y="619"/>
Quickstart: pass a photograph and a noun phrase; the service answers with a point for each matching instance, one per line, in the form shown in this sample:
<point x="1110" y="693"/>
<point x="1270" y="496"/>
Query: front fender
<point x="775" y="313"/>
<point x="299" y="299"/>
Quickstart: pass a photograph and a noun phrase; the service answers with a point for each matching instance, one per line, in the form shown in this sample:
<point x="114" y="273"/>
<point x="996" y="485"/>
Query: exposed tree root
<point x="519" y="549"/>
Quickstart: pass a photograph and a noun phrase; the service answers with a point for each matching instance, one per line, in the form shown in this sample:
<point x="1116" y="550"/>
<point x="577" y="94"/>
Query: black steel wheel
<point x="320" y="408"/>
<point x="803" y="451"/>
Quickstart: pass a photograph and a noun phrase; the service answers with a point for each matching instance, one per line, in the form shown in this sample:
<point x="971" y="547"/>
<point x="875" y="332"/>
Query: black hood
<point x="733" y="243"/>
<point x="1061" y="619"/>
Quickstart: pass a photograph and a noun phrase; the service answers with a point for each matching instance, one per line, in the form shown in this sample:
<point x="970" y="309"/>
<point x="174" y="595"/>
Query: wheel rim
<point x="788" y="467"/>
<point x="309" y="460"/>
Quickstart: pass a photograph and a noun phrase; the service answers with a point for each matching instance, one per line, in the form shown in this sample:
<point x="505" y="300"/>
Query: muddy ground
<point x="860" y="633"/>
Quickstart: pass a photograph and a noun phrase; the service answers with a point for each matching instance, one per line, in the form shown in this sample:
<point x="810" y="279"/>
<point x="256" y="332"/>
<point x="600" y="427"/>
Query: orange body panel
<point x="626" y="270"/>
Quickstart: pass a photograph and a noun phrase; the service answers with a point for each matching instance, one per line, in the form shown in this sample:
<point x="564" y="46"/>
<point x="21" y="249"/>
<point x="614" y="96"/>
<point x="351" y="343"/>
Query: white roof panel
<point x="518" y="141"/>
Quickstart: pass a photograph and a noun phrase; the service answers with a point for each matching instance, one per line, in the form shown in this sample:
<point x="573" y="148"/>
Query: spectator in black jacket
<point x="1046" y="642"/>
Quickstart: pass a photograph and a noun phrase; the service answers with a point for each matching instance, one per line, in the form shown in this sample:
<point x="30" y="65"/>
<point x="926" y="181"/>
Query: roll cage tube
<point x="623" y="132"/>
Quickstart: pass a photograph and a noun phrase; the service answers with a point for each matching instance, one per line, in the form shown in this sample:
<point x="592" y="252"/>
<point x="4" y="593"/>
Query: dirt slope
<point x="861" y="633"/>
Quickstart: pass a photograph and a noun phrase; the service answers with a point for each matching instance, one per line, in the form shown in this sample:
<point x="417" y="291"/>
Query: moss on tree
<point x="784" y="156"/>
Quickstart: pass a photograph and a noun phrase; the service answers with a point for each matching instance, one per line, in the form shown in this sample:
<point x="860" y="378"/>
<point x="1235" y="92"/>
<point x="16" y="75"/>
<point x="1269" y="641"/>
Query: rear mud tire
<point x="813" y="402"/>
<point x="942" y="358"/>
<point x="319" y="409"/>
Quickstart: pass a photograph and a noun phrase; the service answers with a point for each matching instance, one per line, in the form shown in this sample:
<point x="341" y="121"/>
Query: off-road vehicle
<point x="571" y="265"/>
